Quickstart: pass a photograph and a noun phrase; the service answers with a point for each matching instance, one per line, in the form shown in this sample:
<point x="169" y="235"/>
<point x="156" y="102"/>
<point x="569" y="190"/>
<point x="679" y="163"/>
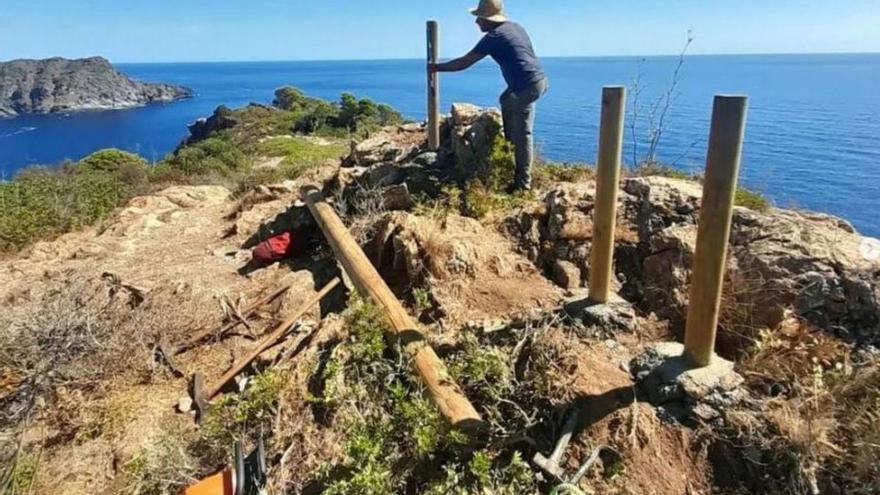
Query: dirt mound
<point x="468" y="271"/>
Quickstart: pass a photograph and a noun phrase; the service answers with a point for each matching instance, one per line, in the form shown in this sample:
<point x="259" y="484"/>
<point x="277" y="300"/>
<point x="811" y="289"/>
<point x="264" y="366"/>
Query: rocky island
<point x="62" y="85"/>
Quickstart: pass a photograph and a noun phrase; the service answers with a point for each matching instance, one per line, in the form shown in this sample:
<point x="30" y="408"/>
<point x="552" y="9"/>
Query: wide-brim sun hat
<point x="491" y="10"/>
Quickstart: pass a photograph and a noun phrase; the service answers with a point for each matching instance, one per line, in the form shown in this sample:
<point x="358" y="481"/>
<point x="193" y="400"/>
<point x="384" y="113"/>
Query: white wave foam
<point x="19" y="131"/>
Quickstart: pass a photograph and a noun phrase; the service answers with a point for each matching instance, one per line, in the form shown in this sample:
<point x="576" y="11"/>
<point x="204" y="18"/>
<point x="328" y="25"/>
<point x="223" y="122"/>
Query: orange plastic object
<point x="219" y="484"/>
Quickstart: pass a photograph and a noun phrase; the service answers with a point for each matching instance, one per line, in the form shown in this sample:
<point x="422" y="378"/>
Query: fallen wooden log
<point x="248" y="311"/>
<point x="202" y="395"/>
<point x="448" y="397"/>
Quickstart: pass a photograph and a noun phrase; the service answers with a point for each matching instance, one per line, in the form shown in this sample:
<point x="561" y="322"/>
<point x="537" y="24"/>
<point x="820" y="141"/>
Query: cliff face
<point x="61" y="85"/>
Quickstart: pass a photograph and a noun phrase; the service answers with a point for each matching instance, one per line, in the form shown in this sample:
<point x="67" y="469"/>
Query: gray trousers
<point x="518" y="112"/>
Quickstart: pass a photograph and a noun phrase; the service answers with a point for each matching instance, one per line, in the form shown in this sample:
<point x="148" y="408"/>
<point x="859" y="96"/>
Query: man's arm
<point x="458" y="64"/>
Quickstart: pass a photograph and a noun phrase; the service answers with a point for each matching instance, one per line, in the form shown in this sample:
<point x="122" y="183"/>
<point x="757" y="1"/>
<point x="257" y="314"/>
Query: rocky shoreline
<point x="61" y="85"/>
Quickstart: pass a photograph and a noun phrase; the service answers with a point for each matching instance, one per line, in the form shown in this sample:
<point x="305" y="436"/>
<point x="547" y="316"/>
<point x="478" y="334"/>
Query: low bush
<point x="299" y="153"/>
<point x="652" y="169"/>
<point x="212" y="156"/>
<point x="364" y="115"/>
<point x="45" y="204"/>
<point x="752" y="200"/>
<point x="547" y="174"/>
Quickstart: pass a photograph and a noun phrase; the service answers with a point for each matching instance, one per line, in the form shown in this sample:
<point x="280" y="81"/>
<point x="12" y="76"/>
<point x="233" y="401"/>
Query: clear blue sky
<point x="217" y="30"/>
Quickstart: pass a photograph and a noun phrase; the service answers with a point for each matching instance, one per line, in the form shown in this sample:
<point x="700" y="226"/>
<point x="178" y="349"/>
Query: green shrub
<point x="752" y="200"/>
<point x="370" y="472"/>
<point x="131" y="169"/>
<point x="41" y="205"/>
<point x="111" y="161"/>
<point x="246" y="413"/>
<point x="368" y="327"/>
<point x="478" y="201"/>
<point x="546" y="174"/>
<point x="214" y="155"/>
<point x="288" y="98"/>
<point x="650" y="169"/>
<point x="24" y="474"/>
<point x="364" y="115"/>
<point x="299" y="154"/>
<point x="318" y="115"/>
<point x="502" y="164"/>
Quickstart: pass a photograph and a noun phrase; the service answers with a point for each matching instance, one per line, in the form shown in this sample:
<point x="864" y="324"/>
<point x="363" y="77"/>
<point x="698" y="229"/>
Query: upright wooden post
<point x="433" y="88"/>
<point x="449" y="398"/>
<point x="713" y="234"/>
<point x="607" y="181"/>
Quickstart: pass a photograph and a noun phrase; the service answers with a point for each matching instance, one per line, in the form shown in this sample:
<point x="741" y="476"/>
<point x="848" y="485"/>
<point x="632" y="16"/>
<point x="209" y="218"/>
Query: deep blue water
<point x="813" y="137"/>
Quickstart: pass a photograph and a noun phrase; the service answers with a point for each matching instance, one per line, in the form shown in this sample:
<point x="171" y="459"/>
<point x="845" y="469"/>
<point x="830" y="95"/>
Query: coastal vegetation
<point x="233" y="148"/>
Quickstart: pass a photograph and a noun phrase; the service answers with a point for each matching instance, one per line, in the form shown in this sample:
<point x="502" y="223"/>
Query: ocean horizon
<point x="811" y="140"/>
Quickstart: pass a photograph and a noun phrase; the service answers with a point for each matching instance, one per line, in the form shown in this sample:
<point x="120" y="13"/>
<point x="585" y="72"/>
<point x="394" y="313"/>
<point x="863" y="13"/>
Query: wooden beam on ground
<point x="270" y="340"/>
<point x="713" y="234"/>
<point x="607" y="183"/>
<point x="248" y="311"/>
<point x="433" y="88"/>
<point x="443" y="391"/>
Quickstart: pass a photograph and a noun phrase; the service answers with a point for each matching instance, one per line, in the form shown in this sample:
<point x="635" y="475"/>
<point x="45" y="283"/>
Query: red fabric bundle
<point x="275" y="248"/>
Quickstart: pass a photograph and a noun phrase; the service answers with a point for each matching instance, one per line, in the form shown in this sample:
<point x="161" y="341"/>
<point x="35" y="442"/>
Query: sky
<point x="244" y="30"/>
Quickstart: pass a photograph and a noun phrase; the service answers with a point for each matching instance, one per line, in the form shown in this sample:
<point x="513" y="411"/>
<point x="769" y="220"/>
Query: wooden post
<point x="433" y="88"/>
<point x="710" y="258"/>
<point x="445" y="393"/>
<point x="607" y="181"/>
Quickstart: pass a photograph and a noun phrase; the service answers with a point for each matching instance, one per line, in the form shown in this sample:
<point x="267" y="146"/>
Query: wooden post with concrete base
<point x="607" y="181"/>
<point x="433" y="88"/>
<point x="710" y="258"/>
<point x="448" y="397"/>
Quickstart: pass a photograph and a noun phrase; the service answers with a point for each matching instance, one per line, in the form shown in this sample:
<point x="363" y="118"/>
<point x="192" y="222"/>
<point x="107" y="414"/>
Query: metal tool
<point x="571" y="486"/>
<point x="551" y="465"/>
<point x="202" y="395"/>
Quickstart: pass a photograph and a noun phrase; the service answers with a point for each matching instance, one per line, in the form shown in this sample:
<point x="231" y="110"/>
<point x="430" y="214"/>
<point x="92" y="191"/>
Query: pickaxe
<point x="205" y="334"/>
<point x="202" y="395"/>
<point x="551" y="466"/>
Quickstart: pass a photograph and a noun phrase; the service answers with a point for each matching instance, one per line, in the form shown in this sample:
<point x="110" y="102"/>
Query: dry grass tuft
<point x="434" y="246"/>
<point x="362" y="210"/>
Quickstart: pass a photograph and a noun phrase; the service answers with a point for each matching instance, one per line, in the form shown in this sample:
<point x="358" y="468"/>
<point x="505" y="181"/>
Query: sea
<point x="812" y="138"/>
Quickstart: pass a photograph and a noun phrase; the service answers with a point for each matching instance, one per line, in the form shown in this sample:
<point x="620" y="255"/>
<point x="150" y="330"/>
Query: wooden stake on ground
<point x="443" y="391"/>
<point x="433" y="88"/>
<point x="710" y="258"/>
<point x="270" y="340"/>
<point x="250" y="310"/>
<point x="607" y="180"/>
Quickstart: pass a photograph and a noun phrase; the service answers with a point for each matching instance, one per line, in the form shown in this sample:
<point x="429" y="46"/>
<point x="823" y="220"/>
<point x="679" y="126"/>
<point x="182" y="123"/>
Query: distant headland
<point x="61" y="85"/>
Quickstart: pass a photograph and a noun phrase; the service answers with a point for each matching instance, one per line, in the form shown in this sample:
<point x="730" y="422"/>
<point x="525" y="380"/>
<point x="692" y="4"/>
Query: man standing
<point x="510" y="46"/>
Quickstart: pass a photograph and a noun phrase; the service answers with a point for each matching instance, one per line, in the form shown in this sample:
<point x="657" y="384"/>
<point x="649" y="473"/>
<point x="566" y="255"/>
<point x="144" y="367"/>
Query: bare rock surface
<point x="779" y="259"/>
<point x="62" y="85"/>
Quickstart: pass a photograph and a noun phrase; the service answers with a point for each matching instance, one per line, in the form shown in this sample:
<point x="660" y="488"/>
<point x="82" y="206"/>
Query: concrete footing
<point x="665" y="375"/>
<point x="615" y="316"/>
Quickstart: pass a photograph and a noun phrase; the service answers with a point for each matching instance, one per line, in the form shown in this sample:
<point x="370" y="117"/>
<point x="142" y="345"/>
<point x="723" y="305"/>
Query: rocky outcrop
<point x="62" y="85"/>
<point x="397" y="155"/>
<point x="782" y="263"/>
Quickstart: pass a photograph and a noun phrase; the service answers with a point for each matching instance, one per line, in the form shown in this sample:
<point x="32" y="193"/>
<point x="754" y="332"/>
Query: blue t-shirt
<point x="511" y="47"/>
